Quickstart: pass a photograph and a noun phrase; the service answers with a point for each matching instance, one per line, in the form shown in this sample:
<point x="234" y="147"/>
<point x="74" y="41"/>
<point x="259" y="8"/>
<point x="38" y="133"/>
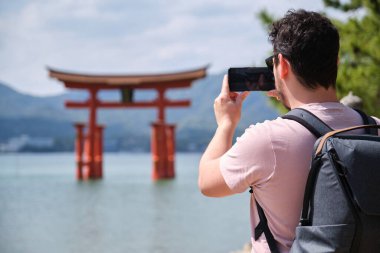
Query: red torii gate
<point x="163" y="135"/>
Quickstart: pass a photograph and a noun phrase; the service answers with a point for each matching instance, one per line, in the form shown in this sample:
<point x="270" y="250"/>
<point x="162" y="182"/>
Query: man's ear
<point x="284" y="66"/>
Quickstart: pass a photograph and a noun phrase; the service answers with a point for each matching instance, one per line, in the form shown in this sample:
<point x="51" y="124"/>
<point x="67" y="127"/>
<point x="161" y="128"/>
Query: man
<point x="273" y="157"/>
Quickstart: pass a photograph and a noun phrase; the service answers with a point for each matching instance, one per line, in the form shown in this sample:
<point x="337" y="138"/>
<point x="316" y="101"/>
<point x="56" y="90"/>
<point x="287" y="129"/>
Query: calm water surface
<point x="43" y="208"/>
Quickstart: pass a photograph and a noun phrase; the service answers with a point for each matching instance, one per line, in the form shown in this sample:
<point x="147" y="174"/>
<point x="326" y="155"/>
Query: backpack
<point x="341" y="206"/>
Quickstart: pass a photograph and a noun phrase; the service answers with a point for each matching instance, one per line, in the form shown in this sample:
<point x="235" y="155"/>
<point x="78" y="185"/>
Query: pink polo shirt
<point x="274" y="157"/>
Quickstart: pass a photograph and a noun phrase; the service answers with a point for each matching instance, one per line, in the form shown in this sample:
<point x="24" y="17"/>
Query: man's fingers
<point x="234" y="96"/>
<point x="225" y="89"/>
<point x="242" y="96"/>
<point x="245" y="94"/>
<point x="272" y="93"/>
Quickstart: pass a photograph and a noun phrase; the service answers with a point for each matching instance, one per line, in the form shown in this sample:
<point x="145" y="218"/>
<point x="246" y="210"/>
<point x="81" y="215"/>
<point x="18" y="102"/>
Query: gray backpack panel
<point x="341" y="211"/>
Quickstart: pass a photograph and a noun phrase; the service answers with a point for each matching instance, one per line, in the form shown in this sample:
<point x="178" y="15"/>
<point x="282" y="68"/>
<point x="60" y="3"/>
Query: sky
<point x="130" y="37"/>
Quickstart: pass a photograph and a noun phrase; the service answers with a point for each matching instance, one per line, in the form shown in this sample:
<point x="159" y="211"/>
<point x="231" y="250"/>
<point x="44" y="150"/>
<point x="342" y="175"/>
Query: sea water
<point x="43" y="208"/>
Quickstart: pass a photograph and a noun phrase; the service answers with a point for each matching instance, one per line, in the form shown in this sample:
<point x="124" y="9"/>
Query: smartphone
<point x="250" y="79"/>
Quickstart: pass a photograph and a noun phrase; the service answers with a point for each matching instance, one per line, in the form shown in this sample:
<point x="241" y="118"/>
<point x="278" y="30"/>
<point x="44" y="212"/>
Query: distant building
<point x="16" y="144"/>
<point x="40" y="142"/>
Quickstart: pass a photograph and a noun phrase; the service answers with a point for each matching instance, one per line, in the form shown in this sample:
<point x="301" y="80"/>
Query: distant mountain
<point x="125" y="128"/>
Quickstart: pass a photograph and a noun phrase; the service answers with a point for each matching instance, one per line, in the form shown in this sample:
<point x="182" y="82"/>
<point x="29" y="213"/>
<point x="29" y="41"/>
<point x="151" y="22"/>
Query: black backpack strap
<point x="262" y="227"/>
<point x="367" y="120"/>
<point x="309" y="121"/>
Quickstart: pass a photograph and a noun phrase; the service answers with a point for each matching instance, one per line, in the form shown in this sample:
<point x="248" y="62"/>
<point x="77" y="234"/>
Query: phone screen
<point x="250" y="79"/>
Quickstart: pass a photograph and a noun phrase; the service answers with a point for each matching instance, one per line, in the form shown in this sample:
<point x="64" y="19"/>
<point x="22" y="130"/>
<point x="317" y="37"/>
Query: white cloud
<point x="119" y="36"/>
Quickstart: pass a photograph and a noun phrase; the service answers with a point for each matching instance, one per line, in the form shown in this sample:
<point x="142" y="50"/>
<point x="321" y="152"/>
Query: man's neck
<point x="319" y="95"/>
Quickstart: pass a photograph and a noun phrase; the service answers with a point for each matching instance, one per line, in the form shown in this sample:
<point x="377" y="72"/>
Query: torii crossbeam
<point x="90" y="143"/>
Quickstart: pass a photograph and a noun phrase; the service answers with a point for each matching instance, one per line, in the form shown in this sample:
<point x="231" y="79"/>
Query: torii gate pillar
<point x="162" y="143"/>
<point x="163" y="150"/>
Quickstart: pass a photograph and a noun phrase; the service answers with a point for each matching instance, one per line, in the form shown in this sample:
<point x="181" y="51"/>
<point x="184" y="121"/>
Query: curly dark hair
<point x="310" y="42"/>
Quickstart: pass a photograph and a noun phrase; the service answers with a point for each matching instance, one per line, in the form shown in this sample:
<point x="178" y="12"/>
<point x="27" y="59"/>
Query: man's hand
<point x="227" y="106"/>
<point x="274" y="94"/>
<point x="227" y="109"/>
